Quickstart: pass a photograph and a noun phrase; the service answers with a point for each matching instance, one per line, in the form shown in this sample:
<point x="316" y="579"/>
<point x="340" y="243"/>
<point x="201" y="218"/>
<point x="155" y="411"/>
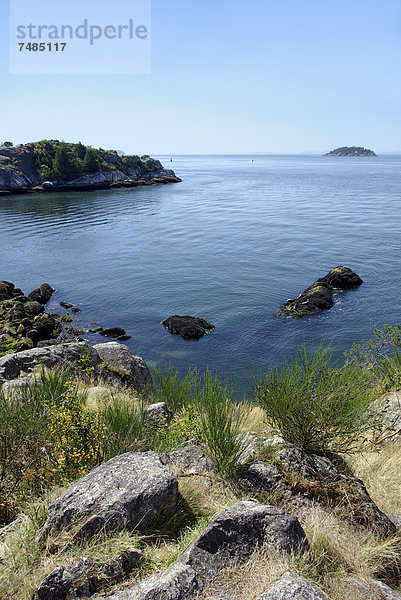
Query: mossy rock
<point x="33" y="308"/>
<point x="318" y="296"/>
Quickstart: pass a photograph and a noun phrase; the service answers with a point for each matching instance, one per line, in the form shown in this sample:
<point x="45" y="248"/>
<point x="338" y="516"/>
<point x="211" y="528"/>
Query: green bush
<point x="36" y="438"/>
<point x="177" y="393"/>
<point x="125" y="426"/>
<point x="221" y="421"/>
<point x="315" y="406"/>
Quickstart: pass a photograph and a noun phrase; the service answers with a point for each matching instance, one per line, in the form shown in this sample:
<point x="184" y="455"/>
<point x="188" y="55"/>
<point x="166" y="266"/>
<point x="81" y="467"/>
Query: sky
<point x="227" y="77"/>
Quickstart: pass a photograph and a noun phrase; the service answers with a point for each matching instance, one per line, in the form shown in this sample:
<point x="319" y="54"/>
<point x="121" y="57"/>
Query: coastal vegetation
<point x="56" y="164"/>
<point x="351" y="151"/>
<point x="56" y="427"/>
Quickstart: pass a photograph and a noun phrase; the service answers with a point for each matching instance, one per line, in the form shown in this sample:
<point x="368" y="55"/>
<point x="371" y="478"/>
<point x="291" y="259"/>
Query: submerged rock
<point x="319" y="295"/>
<point x="113" y="332"/>
<point x="190" y="328"/>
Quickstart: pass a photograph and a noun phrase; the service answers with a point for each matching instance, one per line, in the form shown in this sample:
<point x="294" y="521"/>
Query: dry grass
<point x="337" y="554"/>
<point x="338" y="550"/>
<point x="381" y="473"/>
<point x="255" y="420"/>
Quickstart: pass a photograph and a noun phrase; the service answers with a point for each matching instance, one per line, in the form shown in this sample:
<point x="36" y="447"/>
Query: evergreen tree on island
<point x="91" y="163"/>
<point x="65" y="165"/>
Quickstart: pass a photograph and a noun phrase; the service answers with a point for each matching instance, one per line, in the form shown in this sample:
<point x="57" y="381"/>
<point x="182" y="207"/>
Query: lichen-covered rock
<point x="44" y="327"/>
<point x="389" y="408"/>
<point x="11" y="365"/>
<point x="292" y="586"/>
<point x="342" y="278"/>
<point x="84" y="578"/>
<point x="316" y="478"/>
<point x="58" y="583"/>
<point x="376" y="590"/>
<point x="131" y="369"/>
<point x="129" y="491"/>
<point x="158" y="414"/>
<point x="230" y="538"/>
<point x="190" y="328"/>
<point x="190" y="459"/>
<point x="303" y="478"/>
<point x="262" y="477"/>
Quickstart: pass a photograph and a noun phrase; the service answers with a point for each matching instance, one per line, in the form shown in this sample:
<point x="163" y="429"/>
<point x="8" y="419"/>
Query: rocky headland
<point x="351" y="151"/>
<point x="51" y="165"/>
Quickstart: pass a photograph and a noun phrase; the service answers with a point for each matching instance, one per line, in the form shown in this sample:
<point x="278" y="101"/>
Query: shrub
<point x="379" y="357"/>
<point x="125" y="426"/>
<point x="315" y="406"/>
<point x="221" y="421"/>
<point x="46" y="435"/>
<point x="182" y="428"/>
<point x="76" y="435"/>
<point x="175" y="392"/>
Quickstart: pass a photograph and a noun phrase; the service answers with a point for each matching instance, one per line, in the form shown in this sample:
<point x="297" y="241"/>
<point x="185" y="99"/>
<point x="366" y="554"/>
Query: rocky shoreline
<point x="24" y="323"/>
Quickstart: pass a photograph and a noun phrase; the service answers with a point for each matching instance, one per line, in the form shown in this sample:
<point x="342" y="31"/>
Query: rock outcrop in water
<point x="351" y="151"/>
<point x="50" y="165"/>
<point x="319" y="295"/>
<point x="190" y="328"/>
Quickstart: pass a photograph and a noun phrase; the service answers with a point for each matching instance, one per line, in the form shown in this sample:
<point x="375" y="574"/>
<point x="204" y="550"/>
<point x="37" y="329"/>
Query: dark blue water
<point x="230" y="243"/>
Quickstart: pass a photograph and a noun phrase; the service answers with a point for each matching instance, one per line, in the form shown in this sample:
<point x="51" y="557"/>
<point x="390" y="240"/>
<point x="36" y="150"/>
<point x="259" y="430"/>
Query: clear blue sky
<point x="229" y="76"/>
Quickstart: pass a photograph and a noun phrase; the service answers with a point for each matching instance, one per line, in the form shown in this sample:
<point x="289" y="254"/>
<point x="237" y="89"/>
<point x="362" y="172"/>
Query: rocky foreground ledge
<point x="279" y="483"/>
<point x="51" y="165"/>
<point x="319" y="295"/>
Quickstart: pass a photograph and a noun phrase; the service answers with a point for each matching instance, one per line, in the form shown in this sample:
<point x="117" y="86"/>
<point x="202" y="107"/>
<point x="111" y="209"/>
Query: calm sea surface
<point x="230" y="243"/>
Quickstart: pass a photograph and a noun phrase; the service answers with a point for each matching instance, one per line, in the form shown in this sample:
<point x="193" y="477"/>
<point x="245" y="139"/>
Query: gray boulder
<point x="190" y="459"/>
<point x="304" y="477"/>
<point x="12" y="365"/>
<point x="389" y="408"/>
<point x="132" y="369"/>
<point x="376" y="590"/>
<point x="84" y="578"/>
<point x="292" y="587"/>
<point x="158" y="414"/>
<point x="262" y="477"/>
<point x="129" y="491"/>
<point x="385" y="592"/>
<point x="308" y="465"/>
<point x="58" y="583"/>
<point x="112" y="362"/>
<point x="230" y="538"/>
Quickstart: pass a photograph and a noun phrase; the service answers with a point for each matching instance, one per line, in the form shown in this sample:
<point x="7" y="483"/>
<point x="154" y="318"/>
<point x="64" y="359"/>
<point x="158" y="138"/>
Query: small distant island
<point x="51" y="165"/>
<point x="351" y="151"/>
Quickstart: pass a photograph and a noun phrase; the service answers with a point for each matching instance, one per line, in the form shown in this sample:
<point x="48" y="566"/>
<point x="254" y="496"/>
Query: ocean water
<point x="230" y="243"/>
